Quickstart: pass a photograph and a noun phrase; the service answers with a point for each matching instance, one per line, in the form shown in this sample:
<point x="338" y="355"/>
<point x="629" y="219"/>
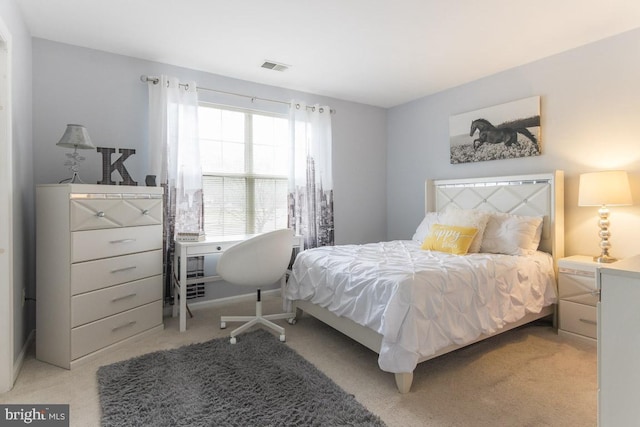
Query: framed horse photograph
<point x="504" y="131"/>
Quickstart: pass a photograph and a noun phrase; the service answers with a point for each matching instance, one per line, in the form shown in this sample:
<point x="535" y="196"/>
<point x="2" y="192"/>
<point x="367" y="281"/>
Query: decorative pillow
<point x="535" y="242"/>
<point x="512" y="234"/>
<point x="468" y="218"/>
<point x="423" y="229"/>
<point x="449" y="238"/>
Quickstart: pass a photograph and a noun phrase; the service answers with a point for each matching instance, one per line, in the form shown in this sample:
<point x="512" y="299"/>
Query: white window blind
<point x="244" y="168"/>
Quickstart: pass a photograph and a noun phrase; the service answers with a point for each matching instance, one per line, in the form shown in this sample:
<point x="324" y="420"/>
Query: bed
<point x="409" y="304"/>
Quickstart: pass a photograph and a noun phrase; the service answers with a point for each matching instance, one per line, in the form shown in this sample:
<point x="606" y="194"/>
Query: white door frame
<point x="6" y="215"/>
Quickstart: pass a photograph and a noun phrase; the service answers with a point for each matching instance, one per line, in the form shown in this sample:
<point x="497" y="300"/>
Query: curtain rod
<point x="155" y="80"/>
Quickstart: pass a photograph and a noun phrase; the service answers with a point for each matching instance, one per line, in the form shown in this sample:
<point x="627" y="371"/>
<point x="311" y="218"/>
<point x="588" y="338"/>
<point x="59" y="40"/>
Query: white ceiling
<point x="378" y="52"/>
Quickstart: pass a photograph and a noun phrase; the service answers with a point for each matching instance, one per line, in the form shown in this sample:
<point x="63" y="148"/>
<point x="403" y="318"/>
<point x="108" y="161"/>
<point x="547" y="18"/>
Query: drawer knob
<point x="100" y="214"/>
<point x="145" y="212"/>
<point x="219" y="248"/>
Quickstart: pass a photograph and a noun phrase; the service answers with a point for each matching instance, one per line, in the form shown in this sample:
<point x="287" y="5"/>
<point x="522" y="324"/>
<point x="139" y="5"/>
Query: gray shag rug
<point x="257" y="382"/>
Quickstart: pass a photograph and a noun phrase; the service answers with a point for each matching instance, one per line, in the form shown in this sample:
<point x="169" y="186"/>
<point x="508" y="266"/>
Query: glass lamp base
<point x="605" y="259"/>
<point x="75" y="179"/>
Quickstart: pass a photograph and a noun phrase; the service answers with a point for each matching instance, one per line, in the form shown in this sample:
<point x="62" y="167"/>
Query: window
<point x="244" y="170"/>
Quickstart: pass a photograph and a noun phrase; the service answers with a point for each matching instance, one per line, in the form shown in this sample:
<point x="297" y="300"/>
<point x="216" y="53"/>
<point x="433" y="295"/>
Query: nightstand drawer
<point x="106" y="302"/>
<point x="93" y="336"/>
<point x="92" y="275"/>
<point x="577" y="286"/>
<point x="91" y="214"/>
<point x="96" y="244"/>
<point x="578" y="318"/>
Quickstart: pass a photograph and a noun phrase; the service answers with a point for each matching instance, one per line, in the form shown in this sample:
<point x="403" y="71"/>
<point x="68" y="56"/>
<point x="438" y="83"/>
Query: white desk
<point x="210" y="246"/>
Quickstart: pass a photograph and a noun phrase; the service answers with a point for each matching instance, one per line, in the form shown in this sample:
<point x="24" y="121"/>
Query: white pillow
<point x="468" y="218"/>
<point x="512" y="234"/>
<point x="423" y="229"/>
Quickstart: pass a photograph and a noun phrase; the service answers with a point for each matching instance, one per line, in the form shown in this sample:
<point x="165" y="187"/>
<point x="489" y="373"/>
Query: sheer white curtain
<point x="174" y="148"/>
<point x="310" y="177"/>
<point x="174" y="158"/>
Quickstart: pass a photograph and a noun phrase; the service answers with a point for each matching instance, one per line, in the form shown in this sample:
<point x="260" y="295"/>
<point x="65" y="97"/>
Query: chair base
<point x="259" y="318"/>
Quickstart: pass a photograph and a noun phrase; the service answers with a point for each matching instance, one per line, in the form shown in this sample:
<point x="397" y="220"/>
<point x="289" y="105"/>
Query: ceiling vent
<point x="271" y="65"/>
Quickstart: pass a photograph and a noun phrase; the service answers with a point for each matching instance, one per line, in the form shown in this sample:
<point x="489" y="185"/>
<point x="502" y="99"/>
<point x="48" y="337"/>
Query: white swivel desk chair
<point x="257" y="262"/>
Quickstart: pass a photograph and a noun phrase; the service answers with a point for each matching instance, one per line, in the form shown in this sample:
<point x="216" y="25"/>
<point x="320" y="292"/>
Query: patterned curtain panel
<point x="174" y="158"/>
<point x="195" y="265"/>
<point x="310" y="179"/>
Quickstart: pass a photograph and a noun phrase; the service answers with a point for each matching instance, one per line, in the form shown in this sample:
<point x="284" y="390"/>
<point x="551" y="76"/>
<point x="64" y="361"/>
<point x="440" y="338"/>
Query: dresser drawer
<point x="577" y="286"/>
<point x="578" y="318"/>
<point x="94" y="336"/>
<point x="90" y="214"/>
<point x="92" y="275"/>
<point x="96" y="305"/>
<point x="96" y="244"/>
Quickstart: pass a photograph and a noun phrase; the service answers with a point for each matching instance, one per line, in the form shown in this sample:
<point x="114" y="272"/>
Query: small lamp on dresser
<point x="607" y="188"/>
<point x="76" y="137"/>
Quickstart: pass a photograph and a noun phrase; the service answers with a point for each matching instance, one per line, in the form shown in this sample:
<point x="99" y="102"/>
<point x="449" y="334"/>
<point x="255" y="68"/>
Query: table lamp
<point x="76" y="137"/>
<point x="607" y="188"/>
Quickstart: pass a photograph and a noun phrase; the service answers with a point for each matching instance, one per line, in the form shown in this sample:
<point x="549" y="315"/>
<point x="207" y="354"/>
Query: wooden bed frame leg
<point x="403" y="381"/>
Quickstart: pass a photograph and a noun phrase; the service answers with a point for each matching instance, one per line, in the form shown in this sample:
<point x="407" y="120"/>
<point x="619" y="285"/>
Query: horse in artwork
<point x="491" y="134"/>
<point x="488" y="133"/>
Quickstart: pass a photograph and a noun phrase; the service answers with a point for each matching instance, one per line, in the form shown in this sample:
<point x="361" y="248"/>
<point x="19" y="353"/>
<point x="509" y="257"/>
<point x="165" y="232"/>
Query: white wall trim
<point x="201" y="305"/>
<point x="17" y="365"/>
<point x="7" y="374"/>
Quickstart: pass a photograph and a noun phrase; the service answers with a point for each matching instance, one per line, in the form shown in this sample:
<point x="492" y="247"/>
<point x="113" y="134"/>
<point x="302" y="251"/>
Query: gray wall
<point x="23" y="250"/>
<point x="103" y="91"/>
<point x="590" y="108"/>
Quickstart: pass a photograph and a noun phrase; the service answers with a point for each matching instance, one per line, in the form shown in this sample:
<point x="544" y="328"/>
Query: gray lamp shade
<point x="76" y="136"/>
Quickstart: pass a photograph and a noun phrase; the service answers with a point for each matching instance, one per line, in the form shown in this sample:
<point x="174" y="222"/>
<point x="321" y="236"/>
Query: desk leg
<point x="183" y="289"/>
<point x="174" y="278"/>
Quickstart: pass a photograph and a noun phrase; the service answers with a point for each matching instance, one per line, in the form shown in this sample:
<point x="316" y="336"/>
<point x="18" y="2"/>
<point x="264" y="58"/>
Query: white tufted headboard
<point x="531" y="195"/>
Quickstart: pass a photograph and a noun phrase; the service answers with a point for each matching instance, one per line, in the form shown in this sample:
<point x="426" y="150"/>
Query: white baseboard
<point x="200" y="305"/>
<point x="17" y="364"/>
<point x="576" y="337"/>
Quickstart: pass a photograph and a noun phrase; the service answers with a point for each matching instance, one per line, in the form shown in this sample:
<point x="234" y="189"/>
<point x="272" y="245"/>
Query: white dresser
<point x="619" y="344"/>
<point x="99" y="268"/>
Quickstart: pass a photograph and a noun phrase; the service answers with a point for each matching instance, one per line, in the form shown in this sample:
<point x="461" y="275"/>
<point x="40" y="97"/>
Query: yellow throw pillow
<point x="449" y="238"/>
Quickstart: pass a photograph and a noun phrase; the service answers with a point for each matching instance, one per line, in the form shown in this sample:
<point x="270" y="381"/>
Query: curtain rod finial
<point x="146" y="79"/>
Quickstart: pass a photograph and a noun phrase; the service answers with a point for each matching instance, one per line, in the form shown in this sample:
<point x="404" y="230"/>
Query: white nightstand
<point x="578" y="294"/>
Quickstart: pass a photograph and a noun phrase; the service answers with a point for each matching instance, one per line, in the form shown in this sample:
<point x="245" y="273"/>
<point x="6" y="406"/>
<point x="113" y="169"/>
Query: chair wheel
<point x="233" y="340"/>
<point x="282" y="338"/>
<point x="292" y="320"/>
<point x="223" y="325"/>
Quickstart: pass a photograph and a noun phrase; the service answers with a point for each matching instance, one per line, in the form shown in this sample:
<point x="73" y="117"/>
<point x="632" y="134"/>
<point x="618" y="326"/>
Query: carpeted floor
<point x="257" y="382"/>
<point x="526" y="377"/>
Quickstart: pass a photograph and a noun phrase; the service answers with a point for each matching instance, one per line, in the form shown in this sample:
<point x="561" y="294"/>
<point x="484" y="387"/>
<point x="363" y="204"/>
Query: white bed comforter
<point x="421" y="301"/>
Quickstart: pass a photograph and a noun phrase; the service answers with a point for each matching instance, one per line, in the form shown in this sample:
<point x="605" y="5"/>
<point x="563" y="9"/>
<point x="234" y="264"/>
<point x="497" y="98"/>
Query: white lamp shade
<point x="76" y="136"/>
<point x="604" y="188"/>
